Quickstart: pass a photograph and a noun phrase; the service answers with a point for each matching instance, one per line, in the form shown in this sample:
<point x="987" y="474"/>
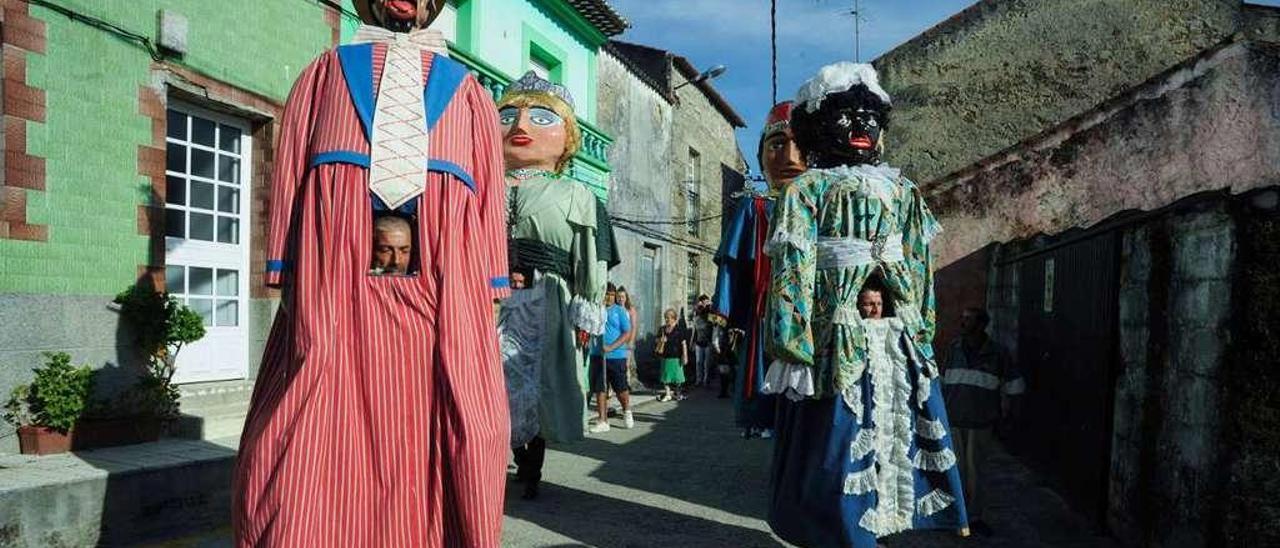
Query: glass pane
<point x="177" y="125"/>
<point x="230" y="139"/>
<point x="201" y="195"/>
<point x="201" y="226"/>
<point x="175" y="223"/>
<point x="203" y="307"/>
<point x="202" y="163"/>
<point x="202" y="131"/>
<point x="228" y="283"/>
<point x="175" y="158"/>
<point x="228" y="169"/>
<point x="199" y="281"/>
<point x="228" y="312"/>
<point x="175" y="191"/>
<point x="228" y="199"/>
<point x="228" y="230"/>
<point x="175" y="279"/>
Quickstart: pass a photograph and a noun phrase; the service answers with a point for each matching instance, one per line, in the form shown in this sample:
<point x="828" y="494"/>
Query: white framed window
<point x="692" y="192"/>
<point x="540" y="68"/>
<point x="207" y="174"/>
<point x="693" y="274"/>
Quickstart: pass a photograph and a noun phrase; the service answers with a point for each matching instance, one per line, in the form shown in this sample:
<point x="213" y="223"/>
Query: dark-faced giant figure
<point x="858" y="390"/>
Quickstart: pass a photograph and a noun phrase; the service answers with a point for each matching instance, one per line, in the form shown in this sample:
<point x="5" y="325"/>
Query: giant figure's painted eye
<point x="544" y="117"/>
<point x="507" y="116"/>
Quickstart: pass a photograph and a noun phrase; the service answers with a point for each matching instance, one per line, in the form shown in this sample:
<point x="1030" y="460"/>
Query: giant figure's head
<point x="841" y="115"/>
<point x="399" y="15"/>
<point x="779" y="157"/>
<point x="539" y="128"/>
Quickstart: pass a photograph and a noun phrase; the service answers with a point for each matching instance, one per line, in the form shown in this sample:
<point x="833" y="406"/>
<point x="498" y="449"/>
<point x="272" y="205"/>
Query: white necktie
<point x="399" y="147"/>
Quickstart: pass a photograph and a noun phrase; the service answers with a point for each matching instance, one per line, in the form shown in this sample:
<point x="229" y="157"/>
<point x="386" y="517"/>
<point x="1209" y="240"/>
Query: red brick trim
<point x="334" y="20"/>
<point x="22" y="104"/>
<point x="151" y="166"/>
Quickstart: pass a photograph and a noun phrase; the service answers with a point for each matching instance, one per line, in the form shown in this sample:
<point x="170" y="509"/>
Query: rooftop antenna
<point x="856" y="13"/>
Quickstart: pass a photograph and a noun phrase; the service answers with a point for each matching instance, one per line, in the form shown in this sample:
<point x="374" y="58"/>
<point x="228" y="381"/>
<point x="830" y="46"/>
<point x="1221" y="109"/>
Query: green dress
<point x="553" y="233"/>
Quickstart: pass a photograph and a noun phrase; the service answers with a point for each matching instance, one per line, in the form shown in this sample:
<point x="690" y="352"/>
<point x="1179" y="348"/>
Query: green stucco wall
<point x="93" y="127"/>
<point x="1005" y="70"/>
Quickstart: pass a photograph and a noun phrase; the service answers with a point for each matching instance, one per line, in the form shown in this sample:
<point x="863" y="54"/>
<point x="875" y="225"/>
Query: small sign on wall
<point x="1048" y="285"/>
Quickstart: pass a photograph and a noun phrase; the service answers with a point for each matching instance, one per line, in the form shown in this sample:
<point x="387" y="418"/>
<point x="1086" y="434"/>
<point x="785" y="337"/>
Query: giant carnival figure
<point x="742" y="280"/>
<point x="555" y="226"/>
<point x="379" y="417"/>
<point x="863" y="448"/>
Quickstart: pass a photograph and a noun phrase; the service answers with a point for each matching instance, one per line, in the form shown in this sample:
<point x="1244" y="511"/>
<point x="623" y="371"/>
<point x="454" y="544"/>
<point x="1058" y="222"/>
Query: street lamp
<point x="711" y="73"/>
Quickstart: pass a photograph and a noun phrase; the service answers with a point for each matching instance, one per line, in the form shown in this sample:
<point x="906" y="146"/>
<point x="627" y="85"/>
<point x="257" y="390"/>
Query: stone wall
<point x="653" y="134"/>
<point x="1176" y="307"/>
<point x="641" y="121"/>
<point x="1252" y="415"/>
<point x="1211" y="123"/>
<point x="1004" y="70"/>
<point x="700" y="126"/>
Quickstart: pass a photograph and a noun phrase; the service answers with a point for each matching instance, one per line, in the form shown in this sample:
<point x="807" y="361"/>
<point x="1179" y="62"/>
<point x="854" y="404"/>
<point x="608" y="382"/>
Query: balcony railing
<point x="595" y="143"/>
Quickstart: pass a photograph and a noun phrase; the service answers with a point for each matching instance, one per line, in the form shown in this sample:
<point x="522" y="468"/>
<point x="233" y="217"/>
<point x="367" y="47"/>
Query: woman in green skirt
<point x="673" y="349"/>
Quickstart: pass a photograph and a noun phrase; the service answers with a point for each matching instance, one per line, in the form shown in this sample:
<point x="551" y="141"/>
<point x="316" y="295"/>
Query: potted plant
<point x="163" y="325"/>
<point x="46" y="411"/>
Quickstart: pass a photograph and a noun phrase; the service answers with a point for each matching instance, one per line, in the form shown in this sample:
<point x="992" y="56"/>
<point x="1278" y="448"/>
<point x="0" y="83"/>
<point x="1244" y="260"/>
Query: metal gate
<point x="1068" y="351"/>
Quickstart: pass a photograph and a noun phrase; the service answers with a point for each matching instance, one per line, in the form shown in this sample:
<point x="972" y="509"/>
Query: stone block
<point x="173" y="31"/>
<point x="1199" y="303"/>
<point x="1200" y="351"/>
<point x="1203" y="245"/>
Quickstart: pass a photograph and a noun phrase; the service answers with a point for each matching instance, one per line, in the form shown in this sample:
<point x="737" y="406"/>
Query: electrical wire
<point x="773" y="43"/>
<point x="671" y="221"/>
<point x="100" y="24"/>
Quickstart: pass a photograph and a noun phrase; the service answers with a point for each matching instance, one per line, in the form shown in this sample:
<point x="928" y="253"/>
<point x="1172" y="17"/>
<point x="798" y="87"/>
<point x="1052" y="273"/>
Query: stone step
<point x="213" y="410"/>
<point x="118" y="496"/>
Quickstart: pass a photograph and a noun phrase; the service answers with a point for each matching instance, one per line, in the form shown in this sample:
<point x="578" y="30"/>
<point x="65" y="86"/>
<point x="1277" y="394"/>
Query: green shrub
<point x="55" y="399"/>
<point x="163" y="326"/>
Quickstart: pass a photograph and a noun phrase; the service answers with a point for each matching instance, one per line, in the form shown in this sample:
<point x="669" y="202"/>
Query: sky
<point x="811" y="33"/>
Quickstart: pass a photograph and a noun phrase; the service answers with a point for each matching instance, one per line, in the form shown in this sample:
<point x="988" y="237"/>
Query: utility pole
<point x="856" y="12"/>
<point x="857" y="42"/>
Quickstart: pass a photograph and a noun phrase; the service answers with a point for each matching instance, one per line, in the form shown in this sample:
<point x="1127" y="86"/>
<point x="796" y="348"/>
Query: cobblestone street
<point x="685" y="477"/>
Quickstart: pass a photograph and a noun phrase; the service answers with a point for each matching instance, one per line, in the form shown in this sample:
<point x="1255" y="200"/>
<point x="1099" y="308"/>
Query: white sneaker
<point x="627" y="420"/>
<point x="598" y="427"/>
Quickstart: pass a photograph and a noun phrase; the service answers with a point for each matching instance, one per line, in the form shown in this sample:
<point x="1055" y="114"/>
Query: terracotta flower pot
<point x="38" y="440"/>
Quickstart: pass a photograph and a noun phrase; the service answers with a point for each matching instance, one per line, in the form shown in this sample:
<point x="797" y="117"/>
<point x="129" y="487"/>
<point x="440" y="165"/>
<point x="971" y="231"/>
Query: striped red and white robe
<point x="379" y="417"/>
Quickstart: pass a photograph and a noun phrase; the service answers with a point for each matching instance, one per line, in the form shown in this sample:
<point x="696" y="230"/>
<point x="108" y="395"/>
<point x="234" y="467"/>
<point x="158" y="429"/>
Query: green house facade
<point x="138" y="144"/>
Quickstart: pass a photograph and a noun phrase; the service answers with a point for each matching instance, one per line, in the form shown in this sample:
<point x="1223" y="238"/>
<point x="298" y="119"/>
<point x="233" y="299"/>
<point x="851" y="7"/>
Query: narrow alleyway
<point x="684" y="477"/>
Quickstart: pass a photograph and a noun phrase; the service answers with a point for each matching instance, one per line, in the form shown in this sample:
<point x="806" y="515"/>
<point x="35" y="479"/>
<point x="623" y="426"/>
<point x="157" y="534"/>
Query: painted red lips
<point x="520" y="140"/>
<point x="861" y="142"/>
<point x="402" y="9"/>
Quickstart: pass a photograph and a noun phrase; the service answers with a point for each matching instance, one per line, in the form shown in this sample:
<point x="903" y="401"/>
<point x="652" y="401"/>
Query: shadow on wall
<point x="957" y="286"/>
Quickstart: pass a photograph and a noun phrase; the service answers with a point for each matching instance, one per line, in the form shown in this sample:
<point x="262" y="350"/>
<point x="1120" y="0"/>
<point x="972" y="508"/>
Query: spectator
<point x="673" y="350"/>
<point x="979" y="377"/>
<point x="624" y="299"/>
<point x="609" y="364"/>
<point x="702" y="340"/>
<point x="724" y="342"/>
